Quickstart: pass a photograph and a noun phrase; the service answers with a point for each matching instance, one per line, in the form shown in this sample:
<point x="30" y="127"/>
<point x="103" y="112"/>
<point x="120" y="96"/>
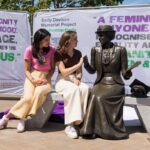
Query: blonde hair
<point x="65" y="40"/>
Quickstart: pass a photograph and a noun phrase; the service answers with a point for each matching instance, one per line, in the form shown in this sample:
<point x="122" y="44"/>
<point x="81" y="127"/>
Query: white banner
<point x="132" y="25"/>
<point x="14" y="38"/>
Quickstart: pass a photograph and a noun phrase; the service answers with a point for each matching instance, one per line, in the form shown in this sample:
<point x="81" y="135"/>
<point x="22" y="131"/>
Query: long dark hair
<point x="39" y="36"/>
<point x="65" y="41"/>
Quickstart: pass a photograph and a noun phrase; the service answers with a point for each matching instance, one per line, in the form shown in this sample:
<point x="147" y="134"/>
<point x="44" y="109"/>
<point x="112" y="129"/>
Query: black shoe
<point x="89" y="136"/>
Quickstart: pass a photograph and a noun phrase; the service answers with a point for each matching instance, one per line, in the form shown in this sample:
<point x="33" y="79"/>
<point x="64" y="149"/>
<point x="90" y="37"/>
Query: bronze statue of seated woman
<point x="104" y="117"/>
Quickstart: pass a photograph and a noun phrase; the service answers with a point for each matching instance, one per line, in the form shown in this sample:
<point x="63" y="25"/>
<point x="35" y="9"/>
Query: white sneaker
<point x="71" y="132"/>
<point x="3" y="122"/>
<point x="21" y="126"/>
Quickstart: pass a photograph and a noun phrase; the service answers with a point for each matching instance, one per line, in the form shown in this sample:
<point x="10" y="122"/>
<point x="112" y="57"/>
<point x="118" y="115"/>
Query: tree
<point x="87" y="3"/>
<point x="84" y="3"/>
<point x="33" y="5"/>
<point x="24" y="5"/>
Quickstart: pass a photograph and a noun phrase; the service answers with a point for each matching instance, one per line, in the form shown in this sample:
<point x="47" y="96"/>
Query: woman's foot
<point x="71" y="132"/>
<point x="3" y="122"/>
<point x="21" y="126"/>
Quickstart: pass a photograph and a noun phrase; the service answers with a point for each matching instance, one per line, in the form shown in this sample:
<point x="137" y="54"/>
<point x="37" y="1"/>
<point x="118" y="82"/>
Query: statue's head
<point x="106" y="30"/>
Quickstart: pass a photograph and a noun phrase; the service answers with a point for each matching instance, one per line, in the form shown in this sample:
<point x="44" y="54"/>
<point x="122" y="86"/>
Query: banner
<point x="132" y="25"/>
<point x="14" y="38"/>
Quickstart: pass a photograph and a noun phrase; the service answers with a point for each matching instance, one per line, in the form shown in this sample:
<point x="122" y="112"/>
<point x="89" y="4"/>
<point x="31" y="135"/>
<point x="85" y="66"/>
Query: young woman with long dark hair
<point x="39" y="68"/>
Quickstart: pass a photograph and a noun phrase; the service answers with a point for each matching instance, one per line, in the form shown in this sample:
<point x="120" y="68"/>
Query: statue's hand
<point x="85" y="60"/>
<point x="128" y="74"/>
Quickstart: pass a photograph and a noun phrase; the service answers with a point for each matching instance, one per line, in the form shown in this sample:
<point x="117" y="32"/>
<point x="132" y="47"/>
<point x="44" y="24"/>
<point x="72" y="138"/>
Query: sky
<point x="129" y="2"/>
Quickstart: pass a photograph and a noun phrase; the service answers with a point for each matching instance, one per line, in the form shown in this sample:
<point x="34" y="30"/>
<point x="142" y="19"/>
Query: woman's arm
<point x="27" y="65"/>
<point x="51" y="72"/>
<point x="79" y="74"/>
<point x="67" y="71"/>
<point x="34" y="81"/>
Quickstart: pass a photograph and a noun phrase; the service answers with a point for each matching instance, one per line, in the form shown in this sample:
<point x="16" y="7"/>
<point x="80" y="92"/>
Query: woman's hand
<point x="76" y="81"/>
<point x="38" y="82"/>
<point x="44" y="81"/>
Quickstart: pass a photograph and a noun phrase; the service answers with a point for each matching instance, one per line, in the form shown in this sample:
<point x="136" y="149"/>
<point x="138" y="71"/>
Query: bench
<point x="44" y="113"/>
<point x="142" y="106"/>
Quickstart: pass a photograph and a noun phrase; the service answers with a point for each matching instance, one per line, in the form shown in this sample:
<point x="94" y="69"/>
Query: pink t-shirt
<point x="34" y="62"/>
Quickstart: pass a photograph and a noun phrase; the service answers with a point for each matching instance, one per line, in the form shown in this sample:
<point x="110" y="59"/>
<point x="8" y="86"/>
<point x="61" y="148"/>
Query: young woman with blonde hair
<point x="69" y="62"/>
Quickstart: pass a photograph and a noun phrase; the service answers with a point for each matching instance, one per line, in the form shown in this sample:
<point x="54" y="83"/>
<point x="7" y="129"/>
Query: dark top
<point x="67" y="60"/>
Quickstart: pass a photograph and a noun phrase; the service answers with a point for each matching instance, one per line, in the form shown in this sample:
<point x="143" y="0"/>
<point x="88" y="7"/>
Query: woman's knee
<point x="71" y="92"/>
<point x="42" y="90"/>
<point x="27" y="99"/>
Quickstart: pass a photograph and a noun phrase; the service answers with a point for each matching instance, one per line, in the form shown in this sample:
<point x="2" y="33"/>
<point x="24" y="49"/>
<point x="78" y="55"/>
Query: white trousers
<point x="75" y="99"/>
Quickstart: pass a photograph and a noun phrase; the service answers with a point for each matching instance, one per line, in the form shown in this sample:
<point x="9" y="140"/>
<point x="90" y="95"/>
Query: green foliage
<point x="33" y="5"/>
<point x="43" y="4"/>
<point x="84" y="3"/>
<point x="88" y="3"/>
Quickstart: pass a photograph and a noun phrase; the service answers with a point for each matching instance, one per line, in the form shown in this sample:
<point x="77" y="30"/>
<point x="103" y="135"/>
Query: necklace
<point x="106" y="56"/>
<point x="41" y="58"/>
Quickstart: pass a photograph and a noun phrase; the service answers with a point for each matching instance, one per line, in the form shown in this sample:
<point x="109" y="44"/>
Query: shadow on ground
<point x="50" y="127"/>
<point x="135" y="129"/>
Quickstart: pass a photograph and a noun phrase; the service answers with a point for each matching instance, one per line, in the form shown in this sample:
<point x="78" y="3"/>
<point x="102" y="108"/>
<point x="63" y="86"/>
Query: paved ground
<point x="52" y="137"/>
